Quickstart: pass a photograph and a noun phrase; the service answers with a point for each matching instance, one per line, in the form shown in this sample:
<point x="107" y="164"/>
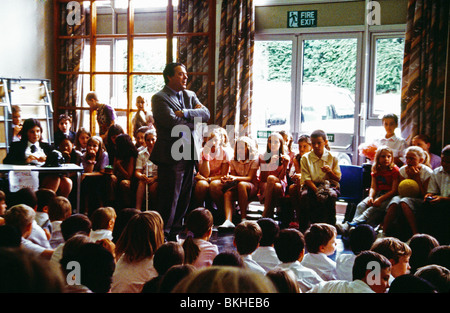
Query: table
<point x="63" y="169"/>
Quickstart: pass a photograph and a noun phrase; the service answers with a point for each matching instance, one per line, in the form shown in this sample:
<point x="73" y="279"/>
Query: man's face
<point x="178" y="81"/>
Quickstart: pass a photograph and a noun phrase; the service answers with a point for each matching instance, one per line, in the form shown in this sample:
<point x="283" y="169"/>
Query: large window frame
<point x="365" y="73"/>
<point x="94" y="39"/>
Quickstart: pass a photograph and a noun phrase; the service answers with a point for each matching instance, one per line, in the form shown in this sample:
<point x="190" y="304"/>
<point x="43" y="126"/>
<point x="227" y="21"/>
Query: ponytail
<point x="191" y="250"/>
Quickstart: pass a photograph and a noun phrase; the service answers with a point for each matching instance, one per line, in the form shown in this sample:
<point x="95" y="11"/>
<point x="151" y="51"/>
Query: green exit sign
<point x="298" y="19"/>
<point x="330" y="137"/>
<point x="263" y="133"/>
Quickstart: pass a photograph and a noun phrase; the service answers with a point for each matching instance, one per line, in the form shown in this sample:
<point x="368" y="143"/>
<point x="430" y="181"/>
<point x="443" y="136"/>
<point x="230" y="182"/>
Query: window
<point x="119" y="48"/>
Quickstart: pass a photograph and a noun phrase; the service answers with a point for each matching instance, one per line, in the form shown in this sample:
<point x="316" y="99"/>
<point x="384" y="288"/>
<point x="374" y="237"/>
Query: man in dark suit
<point x="176" y="111"/>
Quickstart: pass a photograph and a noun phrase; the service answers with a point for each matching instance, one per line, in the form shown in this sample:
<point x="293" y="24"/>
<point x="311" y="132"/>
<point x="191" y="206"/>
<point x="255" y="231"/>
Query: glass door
<point x="328" y="90"/>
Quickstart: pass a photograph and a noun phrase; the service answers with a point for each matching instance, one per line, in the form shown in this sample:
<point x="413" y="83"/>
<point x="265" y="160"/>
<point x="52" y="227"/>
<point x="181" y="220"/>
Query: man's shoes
<point x="342" y="229"/>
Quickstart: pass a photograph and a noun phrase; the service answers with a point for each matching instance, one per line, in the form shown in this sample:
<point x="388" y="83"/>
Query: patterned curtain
<point x="424" y="70"/>
<point x="234" y="85"/>
<point x="193" y="17"/>
<point x="71" y="53"/>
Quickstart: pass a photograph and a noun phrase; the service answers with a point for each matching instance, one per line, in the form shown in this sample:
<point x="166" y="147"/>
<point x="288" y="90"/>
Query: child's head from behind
<point x="270" y="231"/>
<point x="290" y="245"/>
<point x="103" y="218"/>
<point x="319" y="141"/>
<point x="384" y="159"/>
<point x="74" y="225"/>
<point x="304" y="144"/>
<point x="247" y="236"/>
<point x="199" y="221"/>
<point x="390" y="123"/>
<point x="20" y="216"/>
<point x="142" y="236"/>
<point x="396" y="251"/>
<point x="59" y="209"/>
<point x="363" y="267"/>
<point x="361" y="238"/>
<point x="64" y="123"/>
<point x="321" y="238"/>
<point x="44" y="197"/>
<point x="421" y="246"/>
<point x="168" y="254"/>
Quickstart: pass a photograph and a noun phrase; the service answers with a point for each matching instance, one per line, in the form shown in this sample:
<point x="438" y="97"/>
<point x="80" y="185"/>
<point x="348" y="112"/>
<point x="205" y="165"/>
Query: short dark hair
<point x="319" y="134"/>
<point x="363" y="259"/>
<point x="361" y="238"/>
<point x="169" y="70"/>
<point x="63" y="117"/>
<point x="75" y="224"/>
<point x="168" y="254"/>
<point x="289" y="245"/>
<point x="270" y="231"/>
<point x="44" y="197"/>
<point x="391" y="116"/>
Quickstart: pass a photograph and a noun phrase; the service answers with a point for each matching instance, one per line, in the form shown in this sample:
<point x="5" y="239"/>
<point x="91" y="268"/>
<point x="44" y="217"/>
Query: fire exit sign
<point x="298" y="19"/>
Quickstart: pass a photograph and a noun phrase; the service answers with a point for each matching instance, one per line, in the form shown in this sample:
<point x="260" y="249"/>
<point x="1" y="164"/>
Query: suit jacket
<point x="16" y="154"/>
<point x="164" y="105"/>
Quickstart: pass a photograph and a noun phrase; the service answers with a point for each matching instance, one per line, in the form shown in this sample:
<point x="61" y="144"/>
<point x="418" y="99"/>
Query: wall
<point x="26" y="38"/>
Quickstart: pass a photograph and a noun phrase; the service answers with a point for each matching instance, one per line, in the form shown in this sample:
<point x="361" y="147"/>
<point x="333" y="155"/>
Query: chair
<point x="351" y="188"/>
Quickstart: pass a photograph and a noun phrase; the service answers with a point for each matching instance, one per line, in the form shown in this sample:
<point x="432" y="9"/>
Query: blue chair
<point x="351" y="188"/>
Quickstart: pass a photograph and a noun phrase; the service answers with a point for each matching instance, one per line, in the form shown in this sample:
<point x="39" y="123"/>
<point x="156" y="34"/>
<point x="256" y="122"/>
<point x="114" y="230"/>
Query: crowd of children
<point x="119" y="236"/>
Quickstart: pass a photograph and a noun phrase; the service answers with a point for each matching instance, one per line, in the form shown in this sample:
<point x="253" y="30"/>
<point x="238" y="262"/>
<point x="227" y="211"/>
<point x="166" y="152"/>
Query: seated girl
<point x="31" y="150"/>
<point x="273" y="167"/>
<point x="94" y="184"/>
<point x="124" y="166"/>
<point x="408" y="206"/>
<point x="304" y="146"/>
<point x="213" y="164"/>
<point x="147" y="173"/>
<point x="81" y="139"/>
<point x="241" y="184"/>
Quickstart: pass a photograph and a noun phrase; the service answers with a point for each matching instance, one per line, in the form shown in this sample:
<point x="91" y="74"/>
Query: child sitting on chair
<point x="320" y="176"/>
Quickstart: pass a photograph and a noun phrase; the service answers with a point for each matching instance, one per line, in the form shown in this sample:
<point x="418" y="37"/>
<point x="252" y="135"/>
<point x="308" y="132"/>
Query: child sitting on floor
<point x="320" y="241"/>
<point x="103" y="220"/>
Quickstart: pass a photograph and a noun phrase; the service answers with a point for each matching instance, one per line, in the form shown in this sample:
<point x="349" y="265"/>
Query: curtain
<point x="424" y="65"/>
<point x="71" y="52"/>
<point x="193" y="17"/>
<point x="234" y="84"/>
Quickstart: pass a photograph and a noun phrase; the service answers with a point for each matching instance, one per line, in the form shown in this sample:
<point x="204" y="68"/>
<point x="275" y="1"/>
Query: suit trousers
<point x="175" y="183"/>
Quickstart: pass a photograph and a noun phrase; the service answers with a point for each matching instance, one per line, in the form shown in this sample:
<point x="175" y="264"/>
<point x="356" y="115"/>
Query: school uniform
<point x="252" y="265"/>
<point x="208" y="252"/>
<point x="342" y="286"/>
<point x="130" y="277"/>
<point x="100" y="234"/>
<point x="266" y="257"/>
<point x="306" y="277"/>
<point x="344" y="266"/>
<point x="19" y="152"/>
<point x="321" y="264"/>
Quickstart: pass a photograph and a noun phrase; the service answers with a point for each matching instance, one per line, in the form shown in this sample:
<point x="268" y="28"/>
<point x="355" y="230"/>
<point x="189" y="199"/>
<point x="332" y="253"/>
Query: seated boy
<point x="367" y="278"/>
<point x="58" y="210"/>
<point x="435" y="215"/>
<point x="247" y="236"/>
<point x="265" y="254"/>
<point x="103" y="220"/>
<point x="44" y="197"/>
<point x="290" y="249"/>
<point x="397" y="144"/>
<point x="320" y="176"/>
<point x="63" y="131"/>
<point x="21" y="216"/>
<point x="397" y="252"/>
<point x="320" y="241"/>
